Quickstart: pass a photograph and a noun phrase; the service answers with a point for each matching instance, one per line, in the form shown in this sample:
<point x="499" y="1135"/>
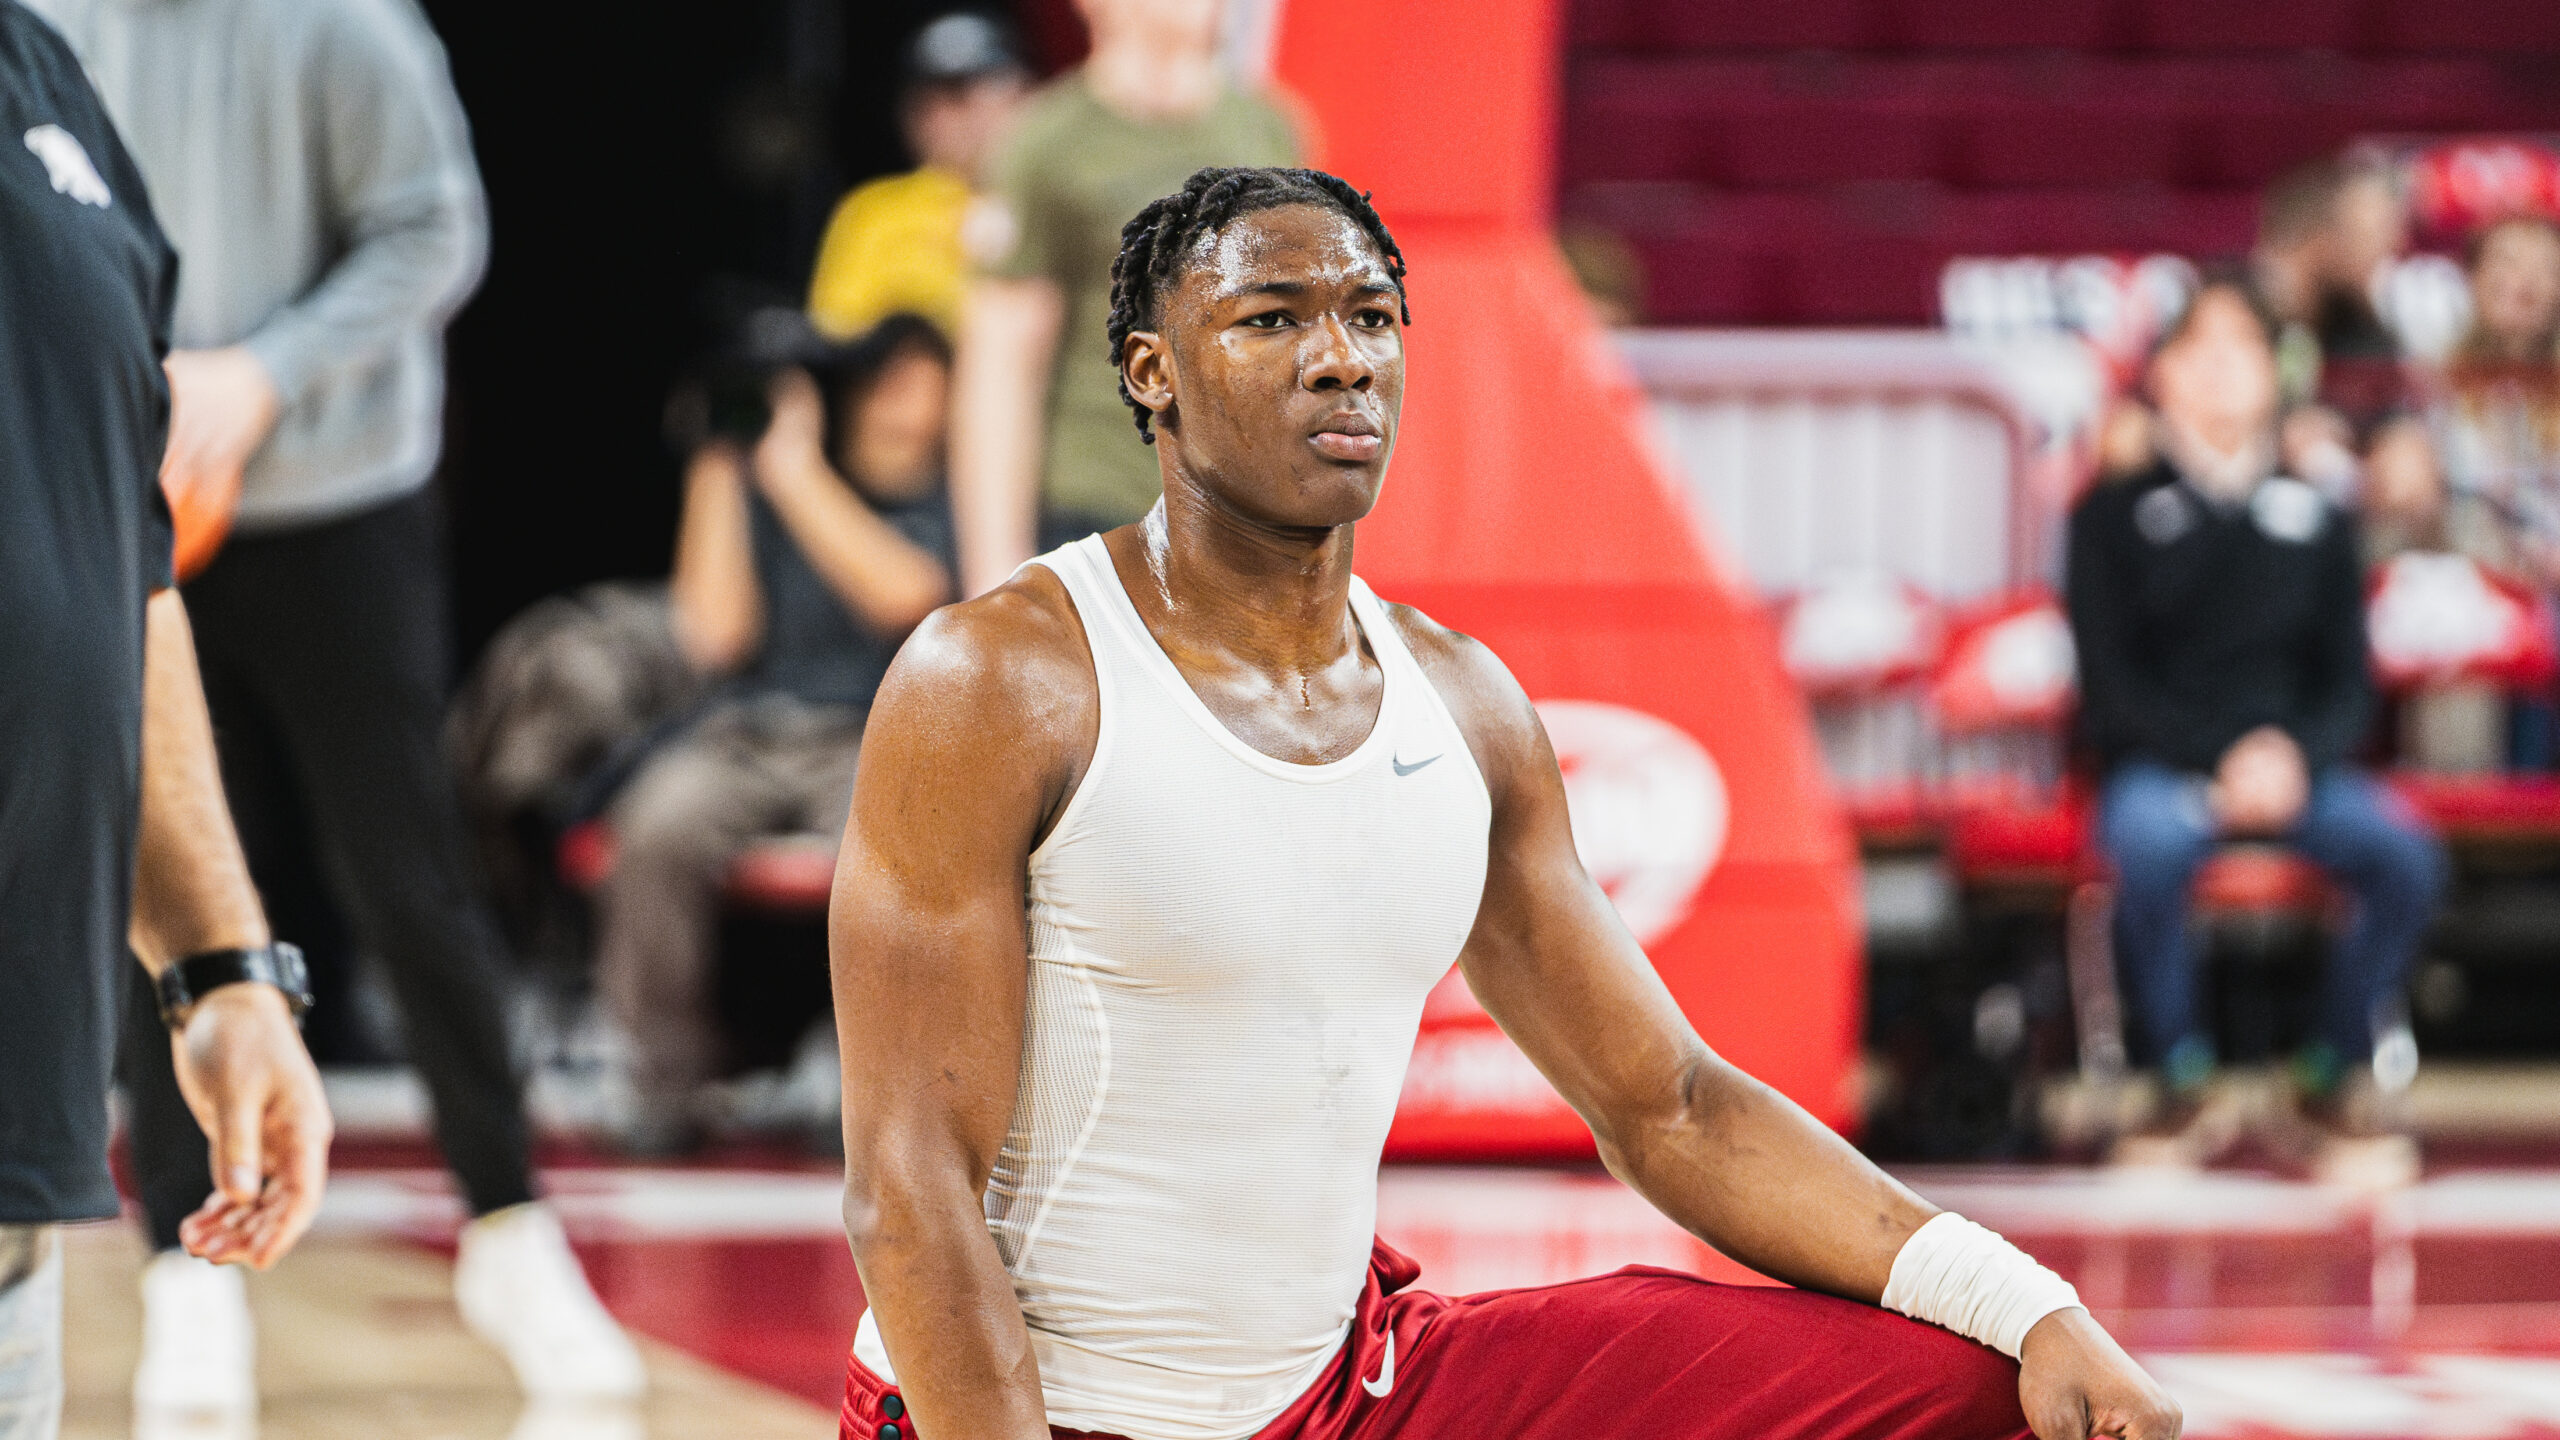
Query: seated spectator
<point x="2218" y="608"/>
<point x="2497" y="420"/>
<point x="800" y="567"/>
<point x="726" y="705"/>
<point x="561" y="690"/>
<point x="2327" y="230"/>
<point x="2482" y="480"/>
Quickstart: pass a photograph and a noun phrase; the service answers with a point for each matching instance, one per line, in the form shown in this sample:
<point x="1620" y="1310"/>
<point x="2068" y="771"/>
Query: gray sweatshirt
<point x="310" y="161"/>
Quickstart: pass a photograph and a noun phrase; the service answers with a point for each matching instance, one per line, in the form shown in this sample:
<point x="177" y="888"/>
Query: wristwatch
<point x="191" y="979"/>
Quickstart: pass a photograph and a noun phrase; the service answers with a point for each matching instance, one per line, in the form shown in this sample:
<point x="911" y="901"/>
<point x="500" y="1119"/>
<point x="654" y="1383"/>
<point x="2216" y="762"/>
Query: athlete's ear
<point x="1146" y="363"/>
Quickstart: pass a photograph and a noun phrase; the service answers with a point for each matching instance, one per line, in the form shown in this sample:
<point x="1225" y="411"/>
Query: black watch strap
<point x="191" y="979"/>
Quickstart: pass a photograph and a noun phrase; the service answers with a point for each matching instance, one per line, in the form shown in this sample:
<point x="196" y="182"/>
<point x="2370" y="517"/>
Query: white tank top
<point x="1229" y="955"/>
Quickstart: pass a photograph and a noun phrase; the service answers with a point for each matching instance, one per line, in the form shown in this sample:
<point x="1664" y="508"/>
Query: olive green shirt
<point x="1072" y="173"/>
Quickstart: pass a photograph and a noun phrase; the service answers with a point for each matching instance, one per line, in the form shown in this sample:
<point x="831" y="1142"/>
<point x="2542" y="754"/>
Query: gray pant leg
<point x="761" y="769"/>
<point x="676" y="828"/>
<point x="30" y="1332"/>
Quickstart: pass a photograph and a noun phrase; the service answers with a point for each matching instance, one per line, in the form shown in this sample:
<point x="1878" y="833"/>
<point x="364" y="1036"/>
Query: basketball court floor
<point x="2273" y="1308"/>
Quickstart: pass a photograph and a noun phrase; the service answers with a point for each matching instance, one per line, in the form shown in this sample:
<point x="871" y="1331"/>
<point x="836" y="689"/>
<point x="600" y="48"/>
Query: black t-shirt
<point x="814" y="648"/>
<point x="86" y="281"/>
<point x="2198" y="622"/>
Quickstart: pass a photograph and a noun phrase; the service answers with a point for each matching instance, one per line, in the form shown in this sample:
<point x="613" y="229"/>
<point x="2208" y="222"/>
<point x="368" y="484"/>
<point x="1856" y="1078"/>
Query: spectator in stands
<point x="563" y="693"/>
<point x="312" y="164"/>
<point x="2218" y="610"/>
<point x="2327" y="232"/>
<point x="803" y="559"/>
<point x="2484" y="482"/>
<point x="2497" y="419"/>
<point x="894" y="243"/>
<point x="1044" y="452"/>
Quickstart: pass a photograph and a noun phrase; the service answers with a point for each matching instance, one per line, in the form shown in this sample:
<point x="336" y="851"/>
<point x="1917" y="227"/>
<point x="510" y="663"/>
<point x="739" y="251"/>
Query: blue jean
<point x="2156" y="825"/>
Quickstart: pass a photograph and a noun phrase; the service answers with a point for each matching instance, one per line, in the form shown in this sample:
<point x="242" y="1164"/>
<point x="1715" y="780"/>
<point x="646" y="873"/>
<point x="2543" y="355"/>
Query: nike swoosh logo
<point x="1404" y="769"/>
<point x="1386" y="1380"/>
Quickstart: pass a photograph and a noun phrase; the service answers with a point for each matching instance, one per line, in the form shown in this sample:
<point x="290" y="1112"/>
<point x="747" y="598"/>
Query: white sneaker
<point x="199" y="1349"/>
<point x="520" y="1288"/>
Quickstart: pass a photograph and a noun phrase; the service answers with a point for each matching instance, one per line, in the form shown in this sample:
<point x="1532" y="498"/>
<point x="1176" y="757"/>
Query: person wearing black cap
<point x="1042" y="452"/>
<point x="894" y="243"/>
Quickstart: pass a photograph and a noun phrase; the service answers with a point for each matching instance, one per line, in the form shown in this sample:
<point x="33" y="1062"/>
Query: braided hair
<point x="1154" y="245"/>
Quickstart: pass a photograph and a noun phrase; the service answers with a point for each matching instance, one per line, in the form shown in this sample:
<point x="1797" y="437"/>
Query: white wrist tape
<point x="1954" y="1273"/>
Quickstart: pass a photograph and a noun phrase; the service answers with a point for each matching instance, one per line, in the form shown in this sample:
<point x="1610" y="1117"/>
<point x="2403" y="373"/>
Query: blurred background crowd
<point x="2138" y="422"/>
<point x="790" y="335"/>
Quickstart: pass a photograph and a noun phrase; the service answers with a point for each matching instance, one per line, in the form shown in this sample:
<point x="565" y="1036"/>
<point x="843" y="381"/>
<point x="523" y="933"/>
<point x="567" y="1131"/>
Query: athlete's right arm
<point x="978" y="737"/>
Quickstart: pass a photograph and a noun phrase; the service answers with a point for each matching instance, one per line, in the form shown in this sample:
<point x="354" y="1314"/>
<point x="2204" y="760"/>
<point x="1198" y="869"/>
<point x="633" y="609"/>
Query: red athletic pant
<point x="1641" y="1354"/>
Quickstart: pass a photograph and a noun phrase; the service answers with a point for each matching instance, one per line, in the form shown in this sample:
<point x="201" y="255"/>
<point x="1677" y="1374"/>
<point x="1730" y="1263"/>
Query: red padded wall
<point x="1525" y="508"/>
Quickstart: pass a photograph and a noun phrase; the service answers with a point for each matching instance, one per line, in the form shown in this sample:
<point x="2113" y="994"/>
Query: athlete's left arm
<point x="1733" y="1161"/>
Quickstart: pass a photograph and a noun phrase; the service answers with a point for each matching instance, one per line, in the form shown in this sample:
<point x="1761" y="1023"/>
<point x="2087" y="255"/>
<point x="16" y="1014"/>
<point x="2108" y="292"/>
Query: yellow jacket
<point x="893" y="244"/>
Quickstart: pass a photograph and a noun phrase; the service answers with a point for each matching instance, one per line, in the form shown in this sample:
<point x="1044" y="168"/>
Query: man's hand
<point x="250" y="1082"/>
<point x="2075" y="1382"/>
<point x="792" y="451"/>
<point x="222" y="407"/>
<point x="2261" y="785"/>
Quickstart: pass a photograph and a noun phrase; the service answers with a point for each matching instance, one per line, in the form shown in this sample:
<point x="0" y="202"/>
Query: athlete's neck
<point x="1276" y="598"/>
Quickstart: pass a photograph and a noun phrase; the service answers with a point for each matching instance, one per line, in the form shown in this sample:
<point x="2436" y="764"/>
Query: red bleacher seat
<point x="2219" y="119"/>
<point x="1762" y="152"/>
<point x="1814" y="141"/>
<point x="784" y="874"/>
<point x="2046" y="844"/>
<point x="2053" y="844"/>
<point x="2528" y="26"/>
<point x="1796" y="25"/>
<point x="2130" y="136"/>
<point x="2385" y="27"/>
<point x="2005" y="24"/>
<point x="2260" y="879"/>
<point x="2487" y="808"/>
<point x="1874" y="256"/>
<point x="2219" y="25"/>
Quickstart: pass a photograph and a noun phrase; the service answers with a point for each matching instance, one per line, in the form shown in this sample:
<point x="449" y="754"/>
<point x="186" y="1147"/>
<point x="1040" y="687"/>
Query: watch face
<point x="293" y="975"/>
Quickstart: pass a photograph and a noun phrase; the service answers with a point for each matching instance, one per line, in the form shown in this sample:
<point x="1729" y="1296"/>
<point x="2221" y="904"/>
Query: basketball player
<point x="1155" y="851"/>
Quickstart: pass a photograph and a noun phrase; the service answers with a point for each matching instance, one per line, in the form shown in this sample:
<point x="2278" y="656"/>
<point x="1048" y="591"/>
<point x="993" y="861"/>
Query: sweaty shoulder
<point x="1491" y="709"/>
<point x="1002" y="684"/>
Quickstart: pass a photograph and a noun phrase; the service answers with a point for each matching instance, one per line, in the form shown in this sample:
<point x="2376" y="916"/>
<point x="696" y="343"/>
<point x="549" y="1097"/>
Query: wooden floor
<point x="358" y="1338"/>
<point x="2274" y="1309"/>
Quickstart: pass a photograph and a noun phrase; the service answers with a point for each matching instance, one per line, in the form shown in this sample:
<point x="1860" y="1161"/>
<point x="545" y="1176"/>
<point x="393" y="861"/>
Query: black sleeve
<point x="2339" y="708"/>
<point x="2122" y="710"/>
<point x="157" y="535"/>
